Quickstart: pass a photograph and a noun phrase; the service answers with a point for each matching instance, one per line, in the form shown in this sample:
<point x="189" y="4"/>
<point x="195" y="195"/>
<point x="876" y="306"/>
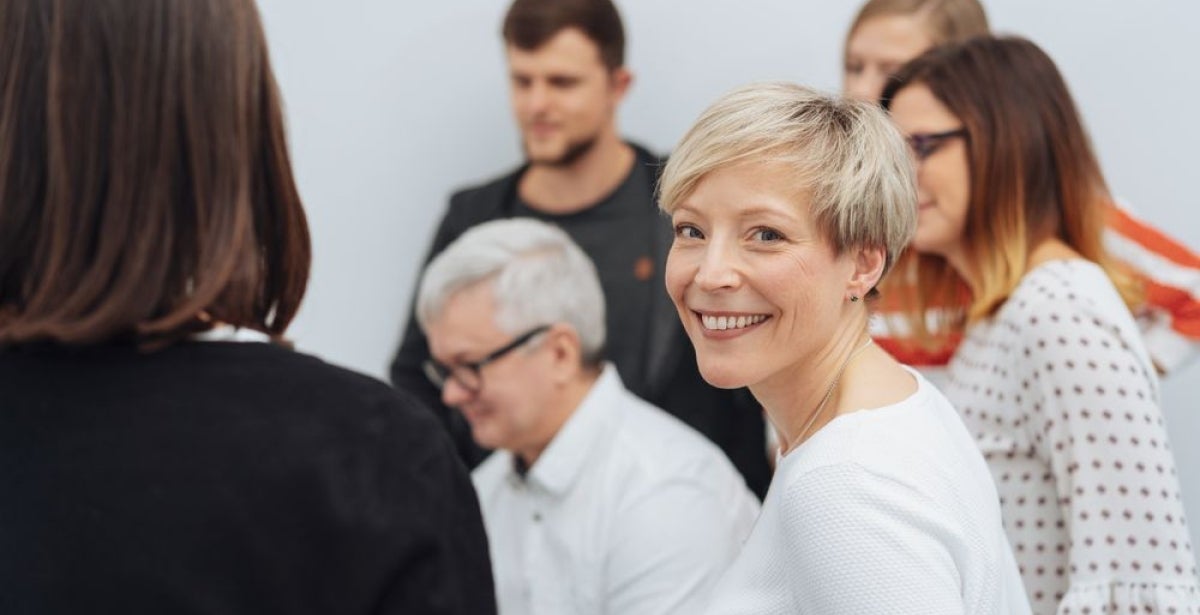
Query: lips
<point x="475" y="414"/>
<point x="542" y="130"/>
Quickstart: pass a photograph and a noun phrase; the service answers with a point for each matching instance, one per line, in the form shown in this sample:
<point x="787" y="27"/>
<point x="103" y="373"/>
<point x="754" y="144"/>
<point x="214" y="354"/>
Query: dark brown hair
<point x="529" y="24"/>
<point x="145" y="186"/>
<point x="1032" y="170"/>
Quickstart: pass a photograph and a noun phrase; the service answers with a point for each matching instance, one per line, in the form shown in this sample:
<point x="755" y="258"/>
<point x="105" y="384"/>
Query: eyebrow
<point x="750" y="212"/>
<point x="762" y="210"/>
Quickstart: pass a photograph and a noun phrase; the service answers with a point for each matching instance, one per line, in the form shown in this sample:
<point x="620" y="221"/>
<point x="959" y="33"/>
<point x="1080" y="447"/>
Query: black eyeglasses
<point x="924" y="144"/>
<point x="468" y="375"/>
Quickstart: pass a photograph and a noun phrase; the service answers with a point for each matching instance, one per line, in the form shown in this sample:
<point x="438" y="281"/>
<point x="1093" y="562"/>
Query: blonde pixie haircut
<point x="844" y="155"/>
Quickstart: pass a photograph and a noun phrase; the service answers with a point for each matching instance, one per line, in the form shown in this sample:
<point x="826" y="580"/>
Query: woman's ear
<point x="868" y="268"/>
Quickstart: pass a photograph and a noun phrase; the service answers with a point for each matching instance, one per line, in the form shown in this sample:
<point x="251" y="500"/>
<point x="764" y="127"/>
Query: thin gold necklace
<point x="829" y="392"/>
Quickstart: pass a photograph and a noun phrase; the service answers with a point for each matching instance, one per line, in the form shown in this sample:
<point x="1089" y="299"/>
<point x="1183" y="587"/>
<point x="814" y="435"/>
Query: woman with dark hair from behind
<point x="1052" y="376"/>
<point x="161" y="451"/>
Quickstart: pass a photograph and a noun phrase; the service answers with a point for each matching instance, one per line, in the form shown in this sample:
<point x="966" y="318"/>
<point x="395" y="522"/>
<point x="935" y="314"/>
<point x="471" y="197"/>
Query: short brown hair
<point x="1032" y="170"/>
<point x="145" y="186"/>
<point x="529" y="24"/>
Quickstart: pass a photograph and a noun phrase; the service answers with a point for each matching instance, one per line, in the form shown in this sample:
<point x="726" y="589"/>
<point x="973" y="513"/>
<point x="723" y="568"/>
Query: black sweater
<point x="224" y="477"/>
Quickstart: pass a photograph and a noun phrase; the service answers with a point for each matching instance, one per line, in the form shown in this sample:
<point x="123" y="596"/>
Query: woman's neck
<point x="792" y="396"/>
<point x="1051" y="249"/>
<point x="1045" y="250"/>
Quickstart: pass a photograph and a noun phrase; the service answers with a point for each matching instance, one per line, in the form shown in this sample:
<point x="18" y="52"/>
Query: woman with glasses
<point x="1052" y="376"/>
<point x="162" y="449"/>
<point x="887" y="33"/>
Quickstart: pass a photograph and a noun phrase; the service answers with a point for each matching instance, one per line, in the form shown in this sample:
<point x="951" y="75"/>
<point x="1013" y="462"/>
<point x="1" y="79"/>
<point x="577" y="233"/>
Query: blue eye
<point x="687" y="231"/>
<point x="768" y="235"/>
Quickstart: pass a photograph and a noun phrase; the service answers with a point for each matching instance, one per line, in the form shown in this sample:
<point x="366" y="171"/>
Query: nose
<point x="718" y="269"/>
<point x="537" y="97"/>
<point x="867" y="86"/>
<point x="455" y="394"/>
<point x="918" y="167"/>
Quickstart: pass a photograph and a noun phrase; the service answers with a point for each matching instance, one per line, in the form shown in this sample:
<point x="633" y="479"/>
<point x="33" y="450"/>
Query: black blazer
<point x="227" y="478"/>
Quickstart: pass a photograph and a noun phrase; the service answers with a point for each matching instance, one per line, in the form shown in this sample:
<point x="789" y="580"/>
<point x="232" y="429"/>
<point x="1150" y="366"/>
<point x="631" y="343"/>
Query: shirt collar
<point x="229" y="333"/>
<point x="563" y="460"/>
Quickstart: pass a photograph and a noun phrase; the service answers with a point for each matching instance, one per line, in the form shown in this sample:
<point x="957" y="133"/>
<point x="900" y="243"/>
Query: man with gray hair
<point x="595" y="501"/>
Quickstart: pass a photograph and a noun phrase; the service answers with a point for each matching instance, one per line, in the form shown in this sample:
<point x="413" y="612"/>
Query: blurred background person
<point x="567" y="77"/>
<point x="789" y="207"/>
<point x="161" y="450"/>
<point x="595" y="501"/>
<point x="1052" y="375"/>
<point x="887" y="33"/>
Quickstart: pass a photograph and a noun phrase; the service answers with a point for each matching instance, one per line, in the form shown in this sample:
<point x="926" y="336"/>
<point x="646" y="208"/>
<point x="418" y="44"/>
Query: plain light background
<point x="393" y="104"/>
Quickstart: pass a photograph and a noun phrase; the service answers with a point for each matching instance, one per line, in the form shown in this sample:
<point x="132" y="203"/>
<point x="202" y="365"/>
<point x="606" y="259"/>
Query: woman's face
<point x="943" y="173"/>
<point x="758" y="289"/>
<point x="876" y="49"/>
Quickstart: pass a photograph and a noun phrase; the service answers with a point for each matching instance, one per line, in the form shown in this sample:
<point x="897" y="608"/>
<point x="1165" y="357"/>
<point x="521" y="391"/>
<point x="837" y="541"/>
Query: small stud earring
<point x="853" y="298"/>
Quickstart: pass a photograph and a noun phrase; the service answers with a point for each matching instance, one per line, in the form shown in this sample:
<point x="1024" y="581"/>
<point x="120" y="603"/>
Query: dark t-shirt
<point x="225" y="477"/>
<point x="614" y="233"/>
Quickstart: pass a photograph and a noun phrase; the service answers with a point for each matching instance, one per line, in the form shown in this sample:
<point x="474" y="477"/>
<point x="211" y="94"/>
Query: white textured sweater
<point x="889" y="510"/>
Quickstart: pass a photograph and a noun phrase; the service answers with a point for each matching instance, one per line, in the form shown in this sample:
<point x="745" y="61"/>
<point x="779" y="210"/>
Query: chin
<point x="543" y="152"/>
<point x="486" y="438"/>
<point x="541" y="158"/>
<point x="723" y="373"/>
<point x="925" y="247"/>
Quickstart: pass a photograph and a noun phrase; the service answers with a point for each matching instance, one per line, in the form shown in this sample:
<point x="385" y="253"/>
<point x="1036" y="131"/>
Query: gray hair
<point x="845" y="154"/>
<point x="538" y="276"/>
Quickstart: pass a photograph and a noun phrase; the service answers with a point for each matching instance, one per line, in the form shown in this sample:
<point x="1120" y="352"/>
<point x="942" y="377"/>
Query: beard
<point x="570" y="155"/>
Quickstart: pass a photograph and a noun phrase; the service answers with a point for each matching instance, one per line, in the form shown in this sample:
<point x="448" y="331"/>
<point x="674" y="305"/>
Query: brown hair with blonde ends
<point x="145" y="185"/>
<point x="1032" y="171"/>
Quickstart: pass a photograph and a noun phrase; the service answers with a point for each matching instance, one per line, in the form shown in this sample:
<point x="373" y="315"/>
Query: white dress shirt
<point x="890" y="510"/>
<point x="627" y="511"/>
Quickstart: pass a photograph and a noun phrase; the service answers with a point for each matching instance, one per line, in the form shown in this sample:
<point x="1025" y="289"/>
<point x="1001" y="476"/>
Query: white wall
<point x="392" y="104"/>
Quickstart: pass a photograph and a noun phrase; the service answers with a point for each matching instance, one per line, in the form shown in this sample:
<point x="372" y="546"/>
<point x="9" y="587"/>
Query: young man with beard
<point x="567" y="78"/>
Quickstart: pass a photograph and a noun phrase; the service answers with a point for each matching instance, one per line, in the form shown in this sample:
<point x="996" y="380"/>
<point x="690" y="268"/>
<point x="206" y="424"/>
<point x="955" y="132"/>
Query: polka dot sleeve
<point x="1090" y="411"/>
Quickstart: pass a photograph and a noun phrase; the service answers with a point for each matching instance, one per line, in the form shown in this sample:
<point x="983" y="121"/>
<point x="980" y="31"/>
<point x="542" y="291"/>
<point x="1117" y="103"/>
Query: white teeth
<point x="722" y="323"/>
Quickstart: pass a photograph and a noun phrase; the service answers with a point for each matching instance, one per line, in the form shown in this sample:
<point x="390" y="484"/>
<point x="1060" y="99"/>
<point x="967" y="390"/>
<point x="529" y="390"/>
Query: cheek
<point x="591" y="103"/>
<point x="518" y="100"/>
<point x="510" y="410"/>
<point x="678" y="274"/>
<point x="804" y="288"/>
<point x="862" y="87"/>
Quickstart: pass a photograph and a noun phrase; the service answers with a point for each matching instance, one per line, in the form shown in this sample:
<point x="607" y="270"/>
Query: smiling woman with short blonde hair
<point x="789" y="206"/>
